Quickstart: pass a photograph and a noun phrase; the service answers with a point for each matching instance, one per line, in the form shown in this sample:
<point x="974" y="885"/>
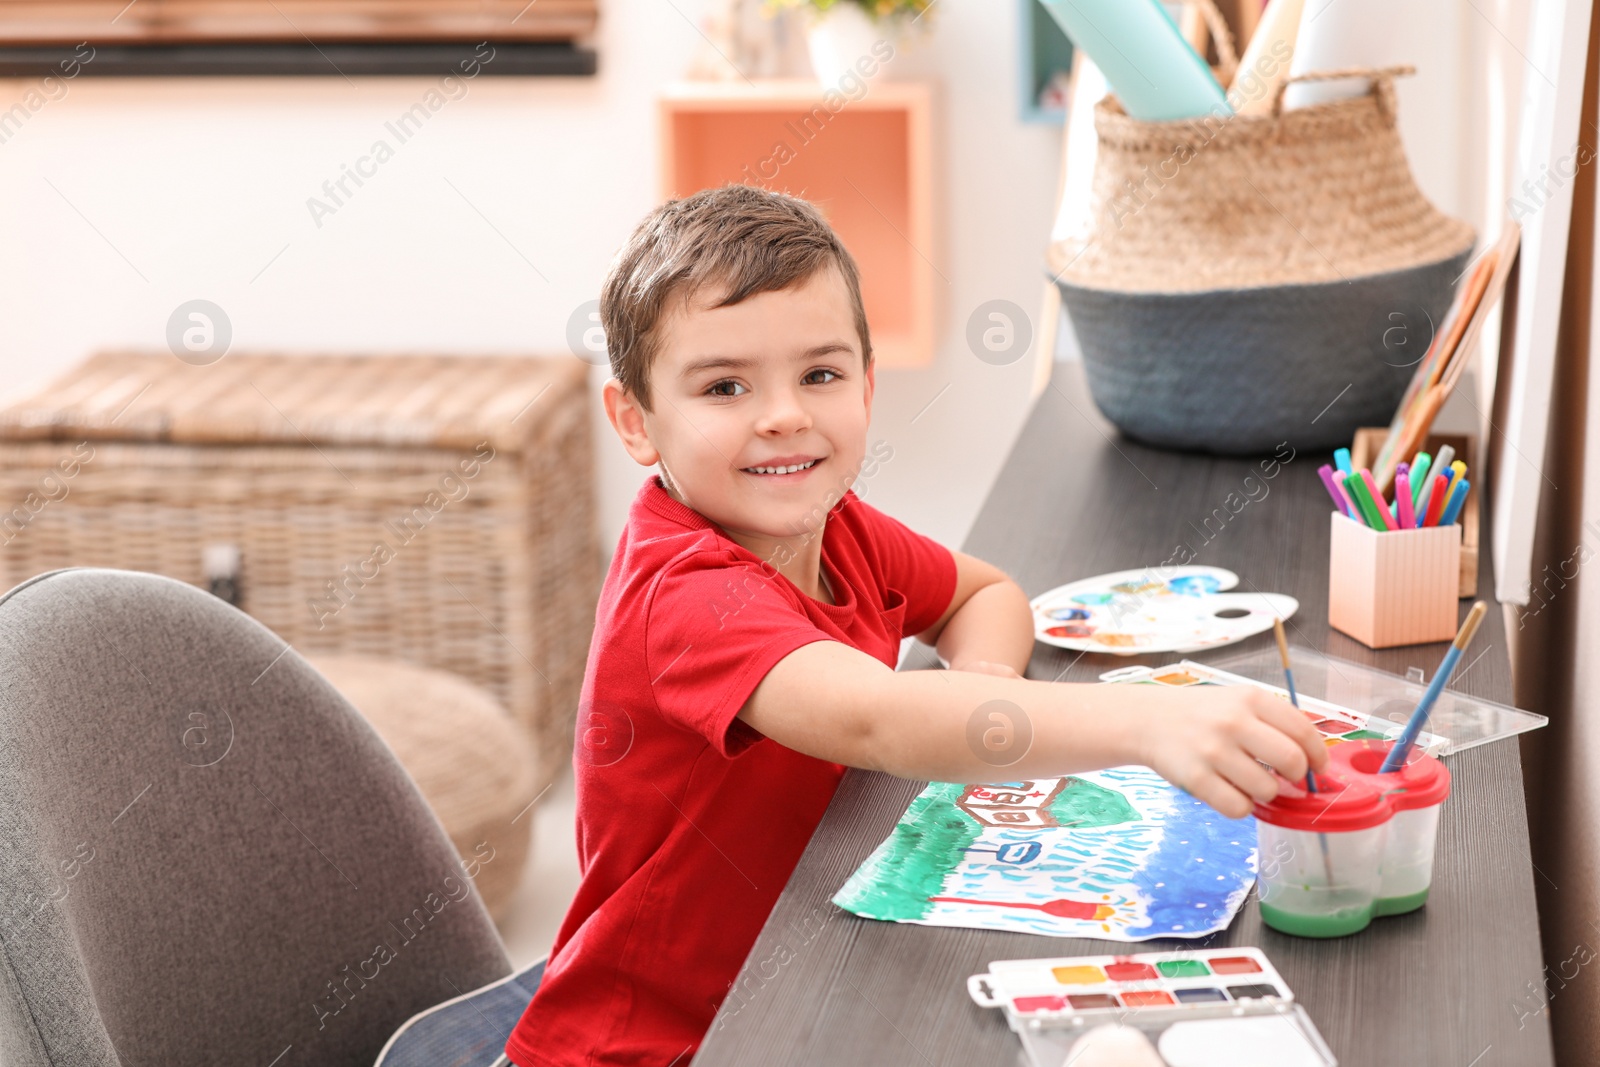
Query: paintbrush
<point x="1311" y="780"/>
<point x="1408" y="736"/>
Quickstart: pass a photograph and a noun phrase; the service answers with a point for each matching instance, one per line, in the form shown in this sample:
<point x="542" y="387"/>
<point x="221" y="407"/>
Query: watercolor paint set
<point x="1227" y="1006"/>
<point x="1155" y="609"/>
<point x="1335" y="722"/>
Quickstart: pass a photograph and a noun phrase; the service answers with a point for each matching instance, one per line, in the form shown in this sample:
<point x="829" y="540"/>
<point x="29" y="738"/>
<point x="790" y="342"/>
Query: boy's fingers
<point x="1275" y="749"/>
<point x="1214" y="790"/>
<point x="1290" y="720"/>
<point x="1247" y="776"/>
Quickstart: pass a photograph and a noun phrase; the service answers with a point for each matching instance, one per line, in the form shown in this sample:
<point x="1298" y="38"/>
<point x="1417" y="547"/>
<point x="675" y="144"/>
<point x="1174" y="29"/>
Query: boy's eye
<point x="812" y="379"/>
<point x="727" y="387"/>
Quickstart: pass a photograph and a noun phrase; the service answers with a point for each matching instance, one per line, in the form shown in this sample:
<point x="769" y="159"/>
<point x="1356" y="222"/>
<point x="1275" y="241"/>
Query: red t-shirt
<point x="689" y="822"/>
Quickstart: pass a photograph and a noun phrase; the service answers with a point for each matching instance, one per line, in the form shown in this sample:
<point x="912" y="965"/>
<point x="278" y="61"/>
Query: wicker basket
<point x="1250" y="279"/>
<point x="312" y="467"/>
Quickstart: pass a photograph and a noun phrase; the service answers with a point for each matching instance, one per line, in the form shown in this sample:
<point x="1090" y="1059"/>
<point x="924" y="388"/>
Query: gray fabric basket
<point x="1238" y="371"/>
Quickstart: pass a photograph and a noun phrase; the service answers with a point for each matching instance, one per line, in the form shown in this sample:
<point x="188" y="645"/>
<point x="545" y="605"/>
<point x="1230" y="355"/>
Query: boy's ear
<point x="872" y="382"/>
<point x="627" y="418"/>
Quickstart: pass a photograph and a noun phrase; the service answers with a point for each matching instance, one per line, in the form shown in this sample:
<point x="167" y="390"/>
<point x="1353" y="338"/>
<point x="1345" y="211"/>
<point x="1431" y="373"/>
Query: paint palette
<point x="1226" y="1006"/>
<point x="1334" y="722"/>
<point x="1155" y="609"/>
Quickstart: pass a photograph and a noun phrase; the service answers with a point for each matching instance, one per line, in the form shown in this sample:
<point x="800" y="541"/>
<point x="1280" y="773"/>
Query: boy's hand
<point x="1207" y="741"/>
<point x="983" y="666"/>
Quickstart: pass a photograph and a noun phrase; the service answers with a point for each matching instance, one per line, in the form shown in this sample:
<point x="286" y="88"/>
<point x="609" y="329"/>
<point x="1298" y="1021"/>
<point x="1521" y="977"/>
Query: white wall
<point x="125" y="198"/>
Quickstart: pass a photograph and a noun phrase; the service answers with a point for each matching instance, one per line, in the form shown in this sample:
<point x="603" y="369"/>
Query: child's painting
<point x="1157" y="609"/>
<point x="1118" y="854"/>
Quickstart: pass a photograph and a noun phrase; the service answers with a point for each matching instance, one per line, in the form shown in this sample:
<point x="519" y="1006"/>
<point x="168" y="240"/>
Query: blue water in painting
<point x="1181" y="881"/>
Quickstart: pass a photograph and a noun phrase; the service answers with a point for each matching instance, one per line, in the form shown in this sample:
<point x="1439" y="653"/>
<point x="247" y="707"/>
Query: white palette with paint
<point x="1155" y="609"/>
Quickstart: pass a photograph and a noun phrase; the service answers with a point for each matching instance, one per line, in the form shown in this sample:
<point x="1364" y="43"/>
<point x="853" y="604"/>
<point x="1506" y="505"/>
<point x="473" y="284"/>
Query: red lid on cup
<point x="1340" y="805"/>
<point x="1423" y="782"/>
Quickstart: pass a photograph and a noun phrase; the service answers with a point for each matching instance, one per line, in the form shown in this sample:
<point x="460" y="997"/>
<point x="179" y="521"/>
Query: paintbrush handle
<point x="1408" y="737"/>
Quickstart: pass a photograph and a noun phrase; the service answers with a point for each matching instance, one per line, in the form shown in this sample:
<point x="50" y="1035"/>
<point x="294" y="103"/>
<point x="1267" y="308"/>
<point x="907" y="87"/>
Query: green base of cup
<point x="1336" y="924"/>
<point x="1400" y="905"/>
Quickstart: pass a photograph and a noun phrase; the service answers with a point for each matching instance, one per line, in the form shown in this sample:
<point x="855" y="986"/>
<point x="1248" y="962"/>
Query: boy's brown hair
<point x="748" y="239"/>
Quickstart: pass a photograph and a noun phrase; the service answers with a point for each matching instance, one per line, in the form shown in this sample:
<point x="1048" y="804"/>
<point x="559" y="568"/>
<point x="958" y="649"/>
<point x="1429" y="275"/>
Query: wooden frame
<point x="65" y="22"/>
<point x="1549" y="138"/>
<point x="866" y="161"/>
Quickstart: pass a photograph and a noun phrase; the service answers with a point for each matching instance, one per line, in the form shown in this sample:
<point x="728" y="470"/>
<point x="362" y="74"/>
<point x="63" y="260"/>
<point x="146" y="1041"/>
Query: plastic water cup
<point x="1320" y="856"/>
<point x="1416" y="792"/>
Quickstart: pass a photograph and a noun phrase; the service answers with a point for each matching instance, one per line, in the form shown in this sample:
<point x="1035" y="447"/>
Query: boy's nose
<point x="783" y="414"/>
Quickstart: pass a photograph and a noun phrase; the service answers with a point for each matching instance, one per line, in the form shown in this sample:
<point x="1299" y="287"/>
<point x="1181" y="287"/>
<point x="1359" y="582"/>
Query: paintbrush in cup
<point x="1408" y="736"/>
<point x="1311" y="779"/>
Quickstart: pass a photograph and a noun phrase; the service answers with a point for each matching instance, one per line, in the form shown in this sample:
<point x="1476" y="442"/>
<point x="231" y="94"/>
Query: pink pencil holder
<point x="1394" y="587"/>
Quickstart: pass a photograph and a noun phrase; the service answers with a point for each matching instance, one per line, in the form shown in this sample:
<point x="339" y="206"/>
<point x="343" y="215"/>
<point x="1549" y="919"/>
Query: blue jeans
<point x="467" y="1031"/>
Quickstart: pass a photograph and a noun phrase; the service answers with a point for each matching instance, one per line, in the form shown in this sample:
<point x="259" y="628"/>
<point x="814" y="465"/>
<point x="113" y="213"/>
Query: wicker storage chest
<point x="438" y="510"/>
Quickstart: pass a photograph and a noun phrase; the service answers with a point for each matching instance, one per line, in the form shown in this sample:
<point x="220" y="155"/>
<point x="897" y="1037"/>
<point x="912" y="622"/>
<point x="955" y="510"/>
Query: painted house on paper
<point x="1012" y="804"/>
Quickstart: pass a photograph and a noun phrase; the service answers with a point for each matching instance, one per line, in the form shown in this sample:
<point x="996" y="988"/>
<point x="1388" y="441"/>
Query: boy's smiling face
<point x="760" y="409"/>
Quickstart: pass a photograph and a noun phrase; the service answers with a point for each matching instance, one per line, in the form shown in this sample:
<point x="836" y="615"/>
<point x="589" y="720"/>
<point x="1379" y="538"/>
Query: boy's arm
<point x="987" y="623"/>
<point x="837" y="703"/>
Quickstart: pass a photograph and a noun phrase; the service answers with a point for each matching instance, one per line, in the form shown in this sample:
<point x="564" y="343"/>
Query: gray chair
<point x="206" y="855"/>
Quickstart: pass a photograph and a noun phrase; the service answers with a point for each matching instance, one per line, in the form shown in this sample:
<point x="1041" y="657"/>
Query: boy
<point x="749" y="626"/>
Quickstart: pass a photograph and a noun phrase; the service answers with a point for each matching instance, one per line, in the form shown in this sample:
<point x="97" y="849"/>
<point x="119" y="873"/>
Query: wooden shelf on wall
<point x="303" y="60"/>
<point x="866" y="163"/>
<point x="1045" y="52"/>
<point x="110" y="22"/>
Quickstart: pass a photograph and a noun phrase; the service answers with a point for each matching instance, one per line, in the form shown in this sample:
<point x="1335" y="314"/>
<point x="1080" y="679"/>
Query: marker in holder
<point x="1416" y="792"/>
<point x="1305" y="890"/>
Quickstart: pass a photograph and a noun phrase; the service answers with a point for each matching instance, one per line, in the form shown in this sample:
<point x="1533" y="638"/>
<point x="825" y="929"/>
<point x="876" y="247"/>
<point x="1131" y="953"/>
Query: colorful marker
<point x="1457" y="471"/>
<point x="1383" y="512"/>
<point x="1402" y="496"/>
<point x="1441" y="462"/>
<point x="1436" y="500"/>
<point x="1341" y="459"/>
<point x="1423" y="501"/>
<point x="1419" y="480"/>
<point x="1458" y="497"/>
<point x="1408" y="737"/>
<point x="1394" y="506"/>
<point x="1354" y="509"/>
<point x="1326" y="473"/>
<point x="1369" y="511"/>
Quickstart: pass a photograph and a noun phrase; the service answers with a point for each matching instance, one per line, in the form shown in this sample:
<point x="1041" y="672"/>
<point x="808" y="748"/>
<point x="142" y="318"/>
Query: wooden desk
<point x="1448" y="985"/>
